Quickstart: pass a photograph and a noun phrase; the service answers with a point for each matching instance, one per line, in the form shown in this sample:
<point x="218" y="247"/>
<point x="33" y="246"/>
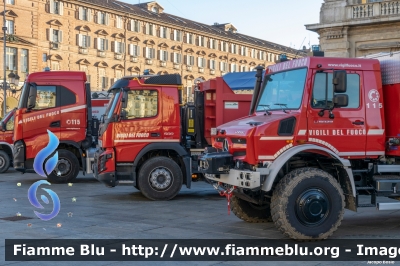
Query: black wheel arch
<point x="177" y="148"/>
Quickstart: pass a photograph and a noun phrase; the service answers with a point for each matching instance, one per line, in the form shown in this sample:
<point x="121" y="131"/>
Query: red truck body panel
<point x="221" y="104"/>
<point x="32" y="126"/>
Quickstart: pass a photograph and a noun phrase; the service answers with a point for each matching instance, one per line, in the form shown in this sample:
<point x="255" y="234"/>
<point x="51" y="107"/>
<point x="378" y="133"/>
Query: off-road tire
<point x="4" y="161"/>
<point x="306" y="185"/>
<point x="250" y="212"/>
<point x="70" y="175"/>
<point x="173" y="172"/>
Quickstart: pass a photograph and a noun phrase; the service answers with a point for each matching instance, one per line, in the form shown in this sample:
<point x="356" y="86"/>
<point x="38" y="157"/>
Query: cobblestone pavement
<point x="122" y="212"/>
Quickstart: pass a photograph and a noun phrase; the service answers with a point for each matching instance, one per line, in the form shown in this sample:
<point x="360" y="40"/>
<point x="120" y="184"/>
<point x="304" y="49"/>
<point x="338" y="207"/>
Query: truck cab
<point x="58" y="101"/>
<point x="307" y="149"/>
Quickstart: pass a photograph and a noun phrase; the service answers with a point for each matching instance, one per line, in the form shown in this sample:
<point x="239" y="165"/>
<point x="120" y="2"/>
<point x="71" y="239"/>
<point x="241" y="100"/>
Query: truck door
<point x="345" y="133"/>
<point x="45" y="115"/>
<point x="142" y="123"/>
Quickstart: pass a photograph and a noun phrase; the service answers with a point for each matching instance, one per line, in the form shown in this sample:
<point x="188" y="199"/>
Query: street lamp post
<point x="4" y="63"/>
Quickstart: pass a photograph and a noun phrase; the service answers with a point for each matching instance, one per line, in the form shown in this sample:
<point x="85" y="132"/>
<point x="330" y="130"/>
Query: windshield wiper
<point x="282" y="105"/>
<point x="265" y="108"/>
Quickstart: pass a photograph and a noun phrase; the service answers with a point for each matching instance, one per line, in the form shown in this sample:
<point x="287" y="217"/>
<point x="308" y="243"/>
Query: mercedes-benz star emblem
<point x="225" y="147"/>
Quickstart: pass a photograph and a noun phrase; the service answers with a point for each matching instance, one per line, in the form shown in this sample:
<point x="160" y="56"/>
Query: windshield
<point x="22" y="99"/>
<point x="283" y="90"/>
<point x="111" y="104"/>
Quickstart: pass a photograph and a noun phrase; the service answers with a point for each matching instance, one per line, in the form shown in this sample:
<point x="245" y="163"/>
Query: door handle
<point x="155" y="134"/>
<point x="358" y="122"/>
<point x="55" y="124"/>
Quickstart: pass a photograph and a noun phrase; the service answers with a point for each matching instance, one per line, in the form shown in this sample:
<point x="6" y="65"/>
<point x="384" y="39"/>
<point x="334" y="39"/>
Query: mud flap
<point x="187" y="160"/>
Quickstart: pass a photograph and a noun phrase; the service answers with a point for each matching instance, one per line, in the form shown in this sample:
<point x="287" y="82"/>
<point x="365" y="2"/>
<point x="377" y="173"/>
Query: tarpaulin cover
<point x="241" y="80"/>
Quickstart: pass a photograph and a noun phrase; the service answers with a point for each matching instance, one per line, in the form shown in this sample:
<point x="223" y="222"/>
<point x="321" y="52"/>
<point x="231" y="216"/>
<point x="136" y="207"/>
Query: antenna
<point x="299" y="48"/>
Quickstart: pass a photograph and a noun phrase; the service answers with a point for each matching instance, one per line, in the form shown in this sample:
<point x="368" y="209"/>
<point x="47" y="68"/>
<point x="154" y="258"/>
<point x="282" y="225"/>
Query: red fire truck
<point x="321" y="132"/>
<point x="60" y="101"/>
<point x="6" y="142"/>
<point x="150" y="140"/>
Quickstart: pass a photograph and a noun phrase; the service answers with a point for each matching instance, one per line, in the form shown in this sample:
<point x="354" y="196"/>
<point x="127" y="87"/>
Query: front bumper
<point x="218" y="166"/>
<point x="107" y="178"/>
<point x="19" y="156"/>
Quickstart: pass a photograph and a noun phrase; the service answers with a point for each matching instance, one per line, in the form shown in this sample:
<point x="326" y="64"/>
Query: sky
<point x="278" y="21"/>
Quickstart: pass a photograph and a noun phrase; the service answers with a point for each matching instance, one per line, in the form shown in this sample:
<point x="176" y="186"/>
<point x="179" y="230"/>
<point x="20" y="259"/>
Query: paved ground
<point x="122" y="212"/>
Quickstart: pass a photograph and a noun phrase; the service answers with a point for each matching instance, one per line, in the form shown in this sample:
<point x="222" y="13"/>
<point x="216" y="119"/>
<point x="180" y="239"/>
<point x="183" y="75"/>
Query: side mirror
<point x="124" y="114"/>
<point x="339" y="81"/>
<point x="32" y="97"/>
<point x="3" y="126"/>
<point x="340" y="100"/>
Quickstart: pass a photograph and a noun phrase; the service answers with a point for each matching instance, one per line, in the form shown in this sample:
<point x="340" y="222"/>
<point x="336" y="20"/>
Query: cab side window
<point x="142" y="104"/>
<point x="65" y="96"/>
<point x="323" y="91"/>
<point x="10" y="124"/>
<point x="45" y="97"/>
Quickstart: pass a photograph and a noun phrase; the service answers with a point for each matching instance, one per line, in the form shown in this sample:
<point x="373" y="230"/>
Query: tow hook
<point x="227" y="192"/>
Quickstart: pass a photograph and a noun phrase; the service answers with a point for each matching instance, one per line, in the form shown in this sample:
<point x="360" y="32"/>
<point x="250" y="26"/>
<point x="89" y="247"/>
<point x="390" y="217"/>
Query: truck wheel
<point x="67" y="168"/>
<point x="307" y="204"/>
<point x="250" y="212"/>
<point x="4" y="161"/>
<point x="160" y="178"/>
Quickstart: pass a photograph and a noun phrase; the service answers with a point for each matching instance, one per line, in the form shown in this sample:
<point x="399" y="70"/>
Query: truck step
<point x="365" y="188"/>
<point x="387" y="183"/>
<point x="125" y="182"/>
<point x="365" y="205"/>
<point x="388" y="206"/>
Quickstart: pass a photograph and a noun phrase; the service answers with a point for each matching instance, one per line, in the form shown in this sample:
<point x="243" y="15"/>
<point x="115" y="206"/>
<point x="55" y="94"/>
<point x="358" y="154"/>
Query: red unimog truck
<point x="320" y="132"/>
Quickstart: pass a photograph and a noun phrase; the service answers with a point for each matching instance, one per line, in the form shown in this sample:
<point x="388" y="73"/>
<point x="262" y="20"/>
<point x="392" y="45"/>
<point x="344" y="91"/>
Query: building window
<point x="201" y="41"/>
<point x="55" y="35"/>
<point x="212" y="64"/>
<point x="213" y="44"/>
<point x="223" y="66"/>
<point x="177" y="35"/>
<point x="55" y="65"/>
<point x="103" y="80"/>
<point x="10" y="26"/>
<point x="119" y="47"/>
<point x="142" y="104"/>
<point x="44" y="57"/>
<point x="56" y="7"/>
<point x="177" y="58"/>
<point x="253" y="53"/>
<point x="189" y="38"/>
<point x="118" y="74"/>
<point x="102" y="44"/>
<point x="24" y="60"/>
<point x="10" y="2"/>
<point x="150" y="53"/>
<point x="84" y="14"/>
<point x="190" y="60"/>
<point x="163" y="55"/>
<point x="135" y="25"/>
<point x="243" y="50"/>
<point x="102" y="18"/>
<point x="83" y="41"/>
<point x="201" y="62"/>
<point x="224" y="46"/>
<point x="163" y="32"/>
<point x="134" y="50"/>
<point x="233" y="68"/>
<point x="118" y="22"/>
<point x="243" y="69"/>
<point x="11" y="58"/>
<point x="150" y="29"/>
<point x="233" y="48"/>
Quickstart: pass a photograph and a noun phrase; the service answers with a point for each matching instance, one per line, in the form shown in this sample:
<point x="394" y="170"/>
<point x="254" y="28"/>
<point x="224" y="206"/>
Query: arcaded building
<point x="110" y="39"/>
